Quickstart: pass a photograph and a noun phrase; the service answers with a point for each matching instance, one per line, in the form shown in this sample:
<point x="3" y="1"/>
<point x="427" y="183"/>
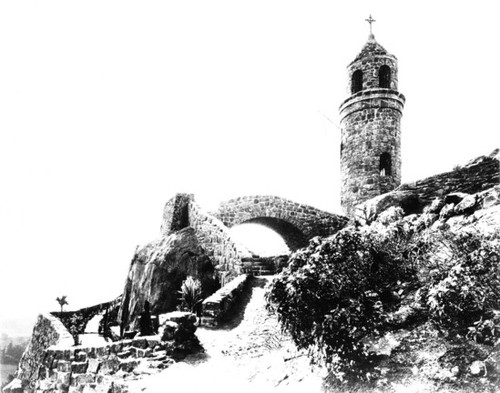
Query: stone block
<point x="116" y="347"/>
<point x="110" y="365"/>
<point x="153" y="341"/>
<point x="79" y="367"/>
<point x="82" y="379"/>
<point x="102" y="351"/>
<point x="128" y="365"/>
<point x="466" y="205"/>
<point x="168" y="330"/>
<point x="139" y="343"/>
<point x="93" y="366"/>
<point x="144" y="353"/>
<point x="63" y="366"/>
<point x="63" y="378"/>
<point x="80" y="356"/>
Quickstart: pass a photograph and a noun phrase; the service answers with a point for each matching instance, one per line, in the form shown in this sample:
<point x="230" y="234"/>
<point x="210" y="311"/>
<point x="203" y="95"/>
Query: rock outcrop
<point x="477" y="175"/>
<point x="157" y="272"/>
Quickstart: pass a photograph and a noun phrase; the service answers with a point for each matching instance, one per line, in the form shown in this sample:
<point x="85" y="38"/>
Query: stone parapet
<point x="216" y="307"/>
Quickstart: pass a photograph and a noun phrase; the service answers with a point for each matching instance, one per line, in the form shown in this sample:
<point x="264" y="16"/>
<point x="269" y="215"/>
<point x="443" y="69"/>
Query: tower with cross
<point x="370" y="118"/>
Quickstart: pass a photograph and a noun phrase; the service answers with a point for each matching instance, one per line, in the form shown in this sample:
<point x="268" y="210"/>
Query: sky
<point x="108" y="108"/>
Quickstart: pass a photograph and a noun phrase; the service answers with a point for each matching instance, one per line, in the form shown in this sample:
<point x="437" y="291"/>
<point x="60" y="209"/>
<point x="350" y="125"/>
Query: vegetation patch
<point x="344" y="297"/>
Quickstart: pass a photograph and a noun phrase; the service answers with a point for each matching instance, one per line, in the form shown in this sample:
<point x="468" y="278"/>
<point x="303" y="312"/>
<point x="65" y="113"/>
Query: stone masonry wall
<point x="104" y="367"/>
<point x="478" y="175"/>
<point x="48" y="331"/>
<point x="215" y="239"/>
<point x="215" y="307"/>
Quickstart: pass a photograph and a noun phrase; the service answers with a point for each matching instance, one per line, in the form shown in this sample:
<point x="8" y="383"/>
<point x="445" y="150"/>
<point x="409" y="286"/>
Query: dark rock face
<point x="157" y="272"/>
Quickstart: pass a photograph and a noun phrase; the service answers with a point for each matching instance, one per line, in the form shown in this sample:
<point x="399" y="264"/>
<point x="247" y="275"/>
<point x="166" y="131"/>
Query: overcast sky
<point x="107" y="108"/>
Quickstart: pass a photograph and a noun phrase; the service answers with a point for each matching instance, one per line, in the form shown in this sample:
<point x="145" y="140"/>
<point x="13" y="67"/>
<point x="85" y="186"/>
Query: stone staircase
<point x="258" y="266"/>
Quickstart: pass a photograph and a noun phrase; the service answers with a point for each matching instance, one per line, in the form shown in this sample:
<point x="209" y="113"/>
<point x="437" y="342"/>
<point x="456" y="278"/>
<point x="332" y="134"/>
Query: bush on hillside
<point x="336" y="296"/>
<point x="462" y="292"/>
<point x="337" y="292"/>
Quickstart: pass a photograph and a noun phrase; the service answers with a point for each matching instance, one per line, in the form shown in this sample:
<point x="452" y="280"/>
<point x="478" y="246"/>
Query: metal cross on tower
<point x="370" y="20"/>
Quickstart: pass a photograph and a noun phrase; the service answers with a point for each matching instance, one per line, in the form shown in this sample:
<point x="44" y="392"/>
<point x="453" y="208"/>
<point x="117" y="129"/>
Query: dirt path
<point x="248" y="353"/>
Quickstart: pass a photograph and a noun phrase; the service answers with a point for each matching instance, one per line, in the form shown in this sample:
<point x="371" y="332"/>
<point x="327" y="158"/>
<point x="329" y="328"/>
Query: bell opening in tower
<point x="357" y="81"/>
<point x="384" y="77"/>
<point x="385" y="166"/>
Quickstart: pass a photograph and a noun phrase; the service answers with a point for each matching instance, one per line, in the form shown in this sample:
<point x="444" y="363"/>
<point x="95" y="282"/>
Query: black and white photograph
<point x="249" y="196"/>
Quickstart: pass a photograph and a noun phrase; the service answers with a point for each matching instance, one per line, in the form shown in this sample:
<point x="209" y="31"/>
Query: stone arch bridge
<point x="296" y="223"/>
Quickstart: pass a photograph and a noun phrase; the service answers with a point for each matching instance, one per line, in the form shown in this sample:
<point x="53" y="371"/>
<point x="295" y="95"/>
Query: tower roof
<point x="371" y="48"/>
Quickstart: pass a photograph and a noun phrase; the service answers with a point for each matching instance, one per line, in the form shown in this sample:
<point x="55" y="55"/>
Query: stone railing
<point x="215" y="308"/>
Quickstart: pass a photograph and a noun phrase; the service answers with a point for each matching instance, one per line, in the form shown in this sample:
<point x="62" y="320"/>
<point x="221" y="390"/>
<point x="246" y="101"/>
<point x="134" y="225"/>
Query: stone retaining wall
<point x="63" y="367"/>
<point x="48" y="331"/>
<point x="215" y="307"/>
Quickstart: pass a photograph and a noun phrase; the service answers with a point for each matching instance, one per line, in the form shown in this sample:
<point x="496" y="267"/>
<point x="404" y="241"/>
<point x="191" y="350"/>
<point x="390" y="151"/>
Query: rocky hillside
<point x="427" y="318"/>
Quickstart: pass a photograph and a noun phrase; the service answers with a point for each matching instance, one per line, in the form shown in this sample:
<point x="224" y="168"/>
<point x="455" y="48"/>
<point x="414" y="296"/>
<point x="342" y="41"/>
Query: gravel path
<point x="249" y="353"/>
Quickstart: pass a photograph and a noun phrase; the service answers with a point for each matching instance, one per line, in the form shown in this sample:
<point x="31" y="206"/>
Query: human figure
<point x="145" y="324"/>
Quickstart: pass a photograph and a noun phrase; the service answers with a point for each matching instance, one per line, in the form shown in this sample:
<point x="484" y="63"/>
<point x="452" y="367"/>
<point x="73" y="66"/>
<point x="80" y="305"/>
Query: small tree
<point x="77" y="326"/>
<point x="62" y="301"/>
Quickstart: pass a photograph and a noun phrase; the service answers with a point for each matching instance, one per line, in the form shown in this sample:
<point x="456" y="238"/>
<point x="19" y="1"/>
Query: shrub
<point x="337" y="292"/>
<point x="463" y="292"/>
<point x="77" y="327"/>
<point x="190" y="294"/>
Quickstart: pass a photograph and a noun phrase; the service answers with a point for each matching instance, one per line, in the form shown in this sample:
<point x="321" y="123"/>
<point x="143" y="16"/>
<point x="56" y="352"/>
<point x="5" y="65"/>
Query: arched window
<point x="385" y="166"/>
<point x="356" y="81"/>
<point x="384" y="77"/>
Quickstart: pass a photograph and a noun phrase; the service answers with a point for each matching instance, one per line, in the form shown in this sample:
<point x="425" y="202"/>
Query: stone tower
<point x="370" y="150"/>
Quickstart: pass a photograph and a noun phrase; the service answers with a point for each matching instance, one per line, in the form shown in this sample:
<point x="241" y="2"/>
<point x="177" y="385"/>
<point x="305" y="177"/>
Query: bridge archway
<point x="269" y="234"/>
<point x="294" y="222"/>
<point x="293" y="237"/>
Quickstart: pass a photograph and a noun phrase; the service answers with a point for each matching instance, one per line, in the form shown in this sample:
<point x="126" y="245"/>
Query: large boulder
<point x="157" y="272"/>
<point x="368" y="211"/>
